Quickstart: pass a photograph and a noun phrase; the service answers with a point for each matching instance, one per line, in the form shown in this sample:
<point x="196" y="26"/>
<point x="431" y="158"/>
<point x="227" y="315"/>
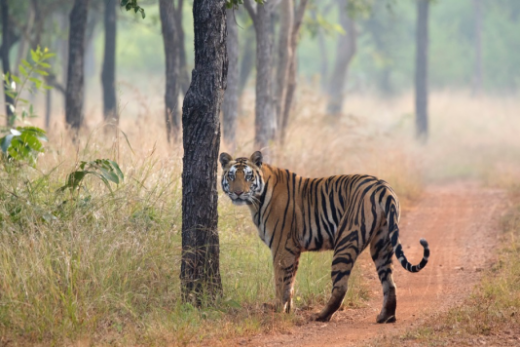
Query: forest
<point x="114" y="227"/>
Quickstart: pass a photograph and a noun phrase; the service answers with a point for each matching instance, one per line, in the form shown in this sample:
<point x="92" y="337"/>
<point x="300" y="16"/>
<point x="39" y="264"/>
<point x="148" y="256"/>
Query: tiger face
<point x="242" y="179"/>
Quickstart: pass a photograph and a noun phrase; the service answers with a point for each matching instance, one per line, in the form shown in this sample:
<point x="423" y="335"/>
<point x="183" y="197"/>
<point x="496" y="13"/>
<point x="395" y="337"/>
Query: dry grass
<point x="103" y="269"/>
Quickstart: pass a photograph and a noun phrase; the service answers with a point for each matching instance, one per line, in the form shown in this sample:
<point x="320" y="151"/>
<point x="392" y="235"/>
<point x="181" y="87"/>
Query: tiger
<point x="343" y="213"/>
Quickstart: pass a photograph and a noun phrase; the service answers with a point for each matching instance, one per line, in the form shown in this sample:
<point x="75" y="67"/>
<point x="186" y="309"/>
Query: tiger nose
<point x="238" y="192"/>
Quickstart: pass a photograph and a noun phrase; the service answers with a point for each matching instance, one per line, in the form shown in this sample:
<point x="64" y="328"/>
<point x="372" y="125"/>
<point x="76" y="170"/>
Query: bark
<point x="291" y="80"/>
<point x="285" y="54"/>
<point x="25" y="39"/>
<point x="63" y="24"/>
<point x="183" y="68"/>
<point x="108" y="74"/>
<point x="248" y="59"/>
<point x="7" y="42"/>
<point x="171" y="52"/>
<point x="477" y="74"/>
<point x="48" y="109"/>
<point x="421" y="70"/>
<point x="265" y="121"/>
<point x="230" y="106"/>
<point x="200" y="275"/>
<point x="324" y="59"/>
<point x="75" y="75"/>
<point x="344" y="54"/>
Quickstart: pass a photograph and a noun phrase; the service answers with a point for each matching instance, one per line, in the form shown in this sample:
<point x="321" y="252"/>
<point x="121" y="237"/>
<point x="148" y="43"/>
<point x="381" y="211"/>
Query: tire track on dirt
<point x="460" y="222"/>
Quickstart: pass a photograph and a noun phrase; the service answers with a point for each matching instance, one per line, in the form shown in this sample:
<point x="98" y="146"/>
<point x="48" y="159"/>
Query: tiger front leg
<point x="285" y="267"/>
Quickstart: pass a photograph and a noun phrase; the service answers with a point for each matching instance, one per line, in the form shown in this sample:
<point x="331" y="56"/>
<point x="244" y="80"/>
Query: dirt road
<point x="460" y="223"/>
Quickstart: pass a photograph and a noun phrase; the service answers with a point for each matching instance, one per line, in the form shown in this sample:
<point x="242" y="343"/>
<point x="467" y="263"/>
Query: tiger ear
<point x="257" y="158"/>
<point x="225" y="159"/>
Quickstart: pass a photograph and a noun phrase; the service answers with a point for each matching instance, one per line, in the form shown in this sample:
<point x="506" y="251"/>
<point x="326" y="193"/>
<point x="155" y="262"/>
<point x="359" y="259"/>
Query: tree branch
<point x="298" y="17"/>
<point x="51" y="80"/>
<point x="251" y="11"/>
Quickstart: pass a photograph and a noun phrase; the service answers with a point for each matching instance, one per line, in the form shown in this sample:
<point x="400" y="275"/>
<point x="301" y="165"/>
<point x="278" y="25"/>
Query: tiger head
<point x="242" y="178"/>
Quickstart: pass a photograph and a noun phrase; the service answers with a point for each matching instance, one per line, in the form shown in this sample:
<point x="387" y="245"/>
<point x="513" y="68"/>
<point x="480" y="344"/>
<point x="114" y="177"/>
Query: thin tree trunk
<point x="63" y="24"/>
<point x="421" y="70"/>
<point x="48" y="109"/>
<point x="291" y="79"/>
<point x="183" y="68"/>
<point x="200" y="274"/>
<point x="248" y="59"/>
<point x="324" y="59"/>
<point x="265" y="121"/>
<point x="230" y="105"/>
<point x="171" y="52"/>
<point x="75" y="74"/>
<point x="345" y="52"/>
<point x="25" y="39"/>
<point x="477" y="74"/>
<point x="108" y="74"/>
<point x="7" y="42"/>
<point x="285" y="54"/>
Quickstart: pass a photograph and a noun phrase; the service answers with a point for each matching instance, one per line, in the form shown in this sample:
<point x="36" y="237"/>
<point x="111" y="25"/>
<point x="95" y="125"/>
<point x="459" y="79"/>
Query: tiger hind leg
<point x="345" y="255"/>
<point x="382" y="254"/>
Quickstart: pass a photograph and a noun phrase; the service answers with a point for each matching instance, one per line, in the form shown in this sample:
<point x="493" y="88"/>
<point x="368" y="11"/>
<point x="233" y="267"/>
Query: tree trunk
<point x="477" y="74"/>
<point x="248" y="58"/>
<point x="75" y="74"/>
<point x="345" y="52"/>
<point x="265" y="121"/>
<point x="291" y="78"/>
<point x="285" y="54"/>
<point x="421" y="71"/>
<point x="6" y="66"/>
<point x="63" y="24"/>
<point x="48" y="108"/>
<point x="183" y="68"/>
<point x="108" y="74"/>
<point x="200" y="274"/>
<point x="171" y="52"/>
<point x="230" y="106"/>
<point x="25" y="38"/>
<point x="324" y="59"/>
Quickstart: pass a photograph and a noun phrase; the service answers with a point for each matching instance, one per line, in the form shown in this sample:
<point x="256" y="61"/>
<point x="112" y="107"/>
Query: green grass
<point x="103" y="268"/>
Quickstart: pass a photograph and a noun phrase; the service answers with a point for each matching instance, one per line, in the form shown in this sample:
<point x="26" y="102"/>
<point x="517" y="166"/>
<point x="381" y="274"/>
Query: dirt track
<point x="460" y="223"/>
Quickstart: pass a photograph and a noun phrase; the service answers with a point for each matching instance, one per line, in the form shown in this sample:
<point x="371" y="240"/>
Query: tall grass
<point x="103" y="268"/>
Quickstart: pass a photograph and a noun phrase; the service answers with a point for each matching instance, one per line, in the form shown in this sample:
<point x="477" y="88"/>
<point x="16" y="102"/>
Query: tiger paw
<point x="319" y="317"/>
<point x="382" y="319"/>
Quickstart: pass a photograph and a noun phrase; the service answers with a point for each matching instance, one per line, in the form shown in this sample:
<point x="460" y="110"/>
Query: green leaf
<point x="41" y="72"/>
<point x="5" y="142"/>
<point x="117" y="169"/>
<point x="26" y="64"/>
<point x="109" y="175"/>
<point x="48" y="55"/>
<point x="44" y="65"/>
<point x="16" y="79"/>
<point x="36" y="82"/>
<point x="23" y="71"/>
<point x="35" y="57"/>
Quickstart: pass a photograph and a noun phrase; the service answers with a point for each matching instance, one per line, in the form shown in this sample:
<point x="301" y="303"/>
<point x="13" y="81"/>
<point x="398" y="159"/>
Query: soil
<point x="460" y="222"/>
